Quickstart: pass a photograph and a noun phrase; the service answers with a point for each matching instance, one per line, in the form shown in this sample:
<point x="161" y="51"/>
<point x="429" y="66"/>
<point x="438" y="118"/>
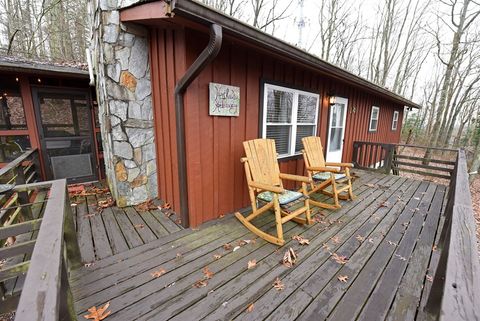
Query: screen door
<point x="336" y="129"/>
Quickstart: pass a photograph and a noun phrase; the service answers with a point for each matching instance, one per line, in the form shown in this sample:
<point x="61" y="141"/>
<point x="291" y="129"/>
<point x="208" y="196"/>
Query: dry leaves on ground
<point x="98" y="314"/>
<point x="342" y="278"/>
<point x="146" y="206"/>
<point x="340" y="259"/>
<point x="251" y="264"/>
<point x="217" y="256"/>
<point x="227" y="246"/>
<point x="278" y="284"/>
<point x="158" y="273"/>
<point x="109" y="202"/>
<point x="289" y="258"/>
<point x="301" y="240"/>
<point x="165" y="206"/>
<point x="384" y="204"/>
<point x="250" y="307"/>
<point x="139" y="226"/>
<point x="370" y="185"/>
<point x="336" y="239"/>
<point x="200" y="284"/>
<point x="360" y="238"/>
<point x="207" y="273"/>
<point x="429" y="278"/>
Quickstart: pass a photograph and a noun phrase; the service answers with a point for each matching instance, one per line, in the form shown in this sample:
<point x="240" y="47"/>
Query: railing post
<point x="22" y="195"/>
<point x="355" y="154"/>
<point x="67" y="310"/>
<point x="71" y="243"/>
<point x="389" y="158"/>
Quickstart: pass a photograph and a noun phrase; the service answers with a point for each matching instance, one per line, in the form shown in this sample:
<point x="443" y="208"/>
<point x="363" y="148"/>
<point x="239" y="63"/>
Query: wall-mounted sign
<point x="224" y="100"/>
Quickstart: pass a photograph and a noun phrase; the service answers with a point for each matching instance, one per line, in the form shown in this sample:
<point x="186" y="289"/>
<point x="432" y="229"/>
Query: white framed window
<point x="372" y="127"/>
<point x="288" y="116"/>
<point x="395" y="120"/>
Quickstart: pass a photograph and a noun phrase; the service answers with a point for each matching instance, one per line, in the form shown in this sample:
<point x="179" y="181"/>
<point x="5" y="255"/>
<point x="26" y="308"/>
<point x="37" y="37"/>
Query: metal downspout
<point x="205" y="57"/>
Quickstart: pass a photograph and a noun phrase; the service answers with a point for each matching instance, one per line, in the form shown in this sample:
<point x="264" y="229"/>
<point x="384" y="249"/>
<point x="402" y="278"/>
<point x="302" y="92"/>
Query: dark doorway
<point x="66" y="135"/>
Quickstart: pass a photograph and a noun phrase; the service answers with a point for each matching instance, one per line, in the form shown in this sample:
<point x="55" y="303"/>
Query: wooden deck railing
<point x="455" y="292"/>
<point x="23" y="170"/>
<point x="36" y="229"/>
<point x="397" y="158"/>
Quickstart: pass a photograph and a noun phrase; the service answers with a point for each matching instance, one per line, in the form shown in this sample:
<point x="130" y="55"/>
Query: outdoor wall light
<point x="332" y="99"/>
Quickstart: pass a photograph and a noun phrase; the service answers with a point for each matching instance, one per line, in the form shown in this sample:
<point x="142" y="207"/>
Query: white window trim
<point x="294" y="124"/>
<point x="396" y="114"/>
<point x="370" y="129"/>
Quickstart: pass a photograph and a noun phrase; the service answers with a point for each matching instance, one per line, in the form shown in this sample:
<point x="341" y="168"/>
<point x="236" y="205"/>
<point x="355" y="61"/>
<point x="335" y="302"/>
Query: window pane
<point x="374" y="113"/>
<point x="303" y="131"/>
<point x="13" y="146"/>
<point x="279" y="106"/>
<point x="307" y="107"/>
<point x="281" y="135"/>
<point x="374" y="124"/>
<point x="12" y="115"/>
<point x="62" y="116"/>
<point x="335" y="139"/>
<point x="337" y="115"/>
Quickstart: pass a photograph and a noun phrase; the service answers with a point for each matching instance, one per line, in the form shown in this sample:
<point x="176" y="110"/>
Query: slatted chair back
<point x="262" y="161"/>
<point x="313" y="151"/>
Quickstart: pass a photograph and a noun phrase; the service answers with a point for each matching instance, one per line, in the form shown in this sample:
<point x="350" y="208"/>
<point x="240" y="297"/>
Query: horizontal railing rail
<point x="23" y="170"/>
<point x="48" y="254"/>
<point x="398" y="158"/>
<point x="455" y="291"/>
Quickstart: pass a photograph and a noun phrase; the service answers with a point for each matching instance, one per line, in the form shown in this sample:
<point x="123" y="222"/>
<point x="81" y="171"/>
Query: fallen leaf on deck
<point x="360" y="238"/>
<point x="342" y="278"/>
<point x="207" y="273"/>
<point x="98" y="314"/>
<point x="146" y="206"/>
<point x="158" y="273"/>
<point x="224" y="304"/>
<point x="178" y="221"/>
<point x="416" y="198"/>
<point x="109" y="202"/>
<point x="335" y="239"/>
<point x="250" y="307"/>
<point x="179" y="255"/>
<point x="400" y="257"/>
<point x="429" y="278"/>
<point x="370" y="185"/>
<point x="200" y="284"/>
<point x="216" y="256"/>
<point x="301" y="240"/>
<point x="251" y="264"/>
<point x="236" y="248"/>
<point x="227" y="247"/>
<point x="165" y="206"/>
<point x="221" y="216"/>
<point x="88" y="264"/>
<point x="278" y="285"/>
<point x="371" y="240"/>
<point x="392" y="243"/>
<point x="340" y="259"/>
<point x="73" y="204"/>
<point x="434" y="248"/>
<point x="326" y="247"/>
<point x="139" y="226"/>
<point x="289" y="258"/>
<point x="384" y="204"/>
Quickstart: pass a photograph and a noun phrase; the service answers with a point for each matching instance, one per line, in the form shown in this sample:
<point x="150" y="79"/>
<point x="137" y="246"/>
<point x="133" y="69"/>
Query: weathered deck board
<point x="396" y="217"/>
<point x="102" y="233"/>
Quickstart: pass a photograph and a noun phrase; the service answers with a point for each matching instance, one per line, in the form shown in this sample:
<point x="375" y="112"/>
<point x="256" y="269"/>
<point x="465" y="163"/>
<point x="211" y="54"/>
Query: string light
<point x="39" y="80"/>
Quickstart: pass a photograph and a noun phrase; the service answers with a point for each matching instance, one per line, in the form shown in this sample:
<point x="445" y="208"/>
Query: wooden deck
<point x="105" y="232"/>
<point x="388" y="235"/>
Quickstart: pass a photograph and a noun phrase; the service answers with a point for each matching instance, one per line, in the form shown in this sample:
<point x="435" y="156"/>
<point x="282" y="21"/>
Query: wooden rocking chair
<point x="265" y="184"/>
<point x="324" y="174"/>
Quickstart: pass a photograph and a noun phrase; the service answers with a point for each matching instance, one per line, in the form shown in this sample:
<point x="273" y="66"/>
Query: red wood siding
<point x="216" y="179"/>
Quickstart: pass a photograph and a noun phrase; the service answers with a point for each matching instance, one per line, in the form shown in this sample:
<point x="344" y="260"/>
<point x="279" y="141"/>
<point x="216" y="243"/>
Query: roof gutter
<point x="202" y="14"/>
<point x="205" y="57"/>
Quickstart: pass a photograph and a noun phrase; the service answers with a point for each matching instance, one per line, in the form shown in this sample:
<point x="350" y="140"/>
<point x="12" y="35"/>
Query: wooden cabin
<point x="51" y="108"/>
<point x="255" y="86"/>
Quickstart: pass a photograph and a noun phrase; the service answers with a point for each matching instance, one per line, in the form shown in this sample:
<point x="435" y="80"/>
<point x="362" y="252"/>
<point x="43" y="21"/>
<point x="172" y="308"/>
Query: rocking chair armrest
<point x="323" y="169"/>
<point x="297" y="178"/>
<point x="339" y="164"/>
<point x="267" y="187"/>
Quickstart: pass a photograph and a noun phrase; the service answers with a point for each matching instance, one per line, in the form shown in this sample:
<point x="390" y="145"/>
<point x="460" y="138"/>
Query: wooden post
<point x="70" y="237"/>
<point x="23" y="195"/>
<point x="67" y="310"/>
<point x="389" y="158"/>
